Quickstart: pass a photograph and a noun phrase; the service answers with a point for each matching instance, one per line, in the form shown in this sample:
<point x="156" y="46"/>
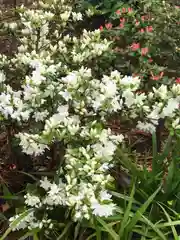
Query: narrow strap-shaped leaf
<point x="155" y="228"/>
<point x="170" y="221"/>
<point x="127" y="212"/>
<point x="65" y="231"/>
<point x="141" y="210"/>
<point x="108" y="229"/>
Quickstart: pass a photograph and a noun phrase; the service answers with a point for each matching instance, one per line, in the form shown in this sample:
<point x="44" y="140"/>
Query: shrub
<point x="59" y="88"/>
<point x="146" y="41"/>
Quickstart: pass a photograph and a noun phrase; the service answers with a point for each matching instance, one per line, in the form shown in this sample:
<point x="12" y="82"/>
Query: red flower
<point x="137" y="23"/>
<point x="101" y="28"/>
<point x="135" y="46"/>
<point x="143" y="18"/>
<point x="150" y="60"/>
<point x="122" y="20"/>
<point x="178" y="80"/>
<point x="144" y="51"/>
<point x="108" y="25"/>
<point x="121" y="25"/>
<point x="156" y="78"/>
<point x="149" y="29"/>
<point x="124" y="10"/>
<point x="118" y="12"/>
<point x="130" y="10"/>
<point x="161" y="74"/>
<point x="141" y="30"/>
<point x="12" y="166"/>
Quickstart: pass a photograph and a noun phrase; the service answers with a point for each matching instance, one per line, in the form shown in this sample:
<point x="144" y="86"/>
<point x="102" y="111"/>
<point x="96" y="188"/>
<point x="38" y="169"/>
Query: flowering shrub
<point x="52" y="89"/>
<point x="146" y="41"/>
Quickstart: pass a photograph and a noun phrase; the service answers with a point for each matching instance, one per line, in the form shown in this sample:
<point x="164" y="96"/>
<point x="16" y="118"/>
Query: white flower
<point x="36" y="78"/>
<point x="129" y="97"/>
<point x="105" y="150"/>
<point x="76" y="16"/>
<point x="162" y="91"/>
<point x="98" y="101"/>
<point x="70" y="79"/>
<point x="63" y="110"/>
<point x="175" y="89"/>
<point x="132" y="82"/>
<point x="66" y="95"/>
<point x="40" y="116"/>
<point x="57" y="118"/>
<point x="103" y="135"/>
<point x="171" y="106"/>
<point x="139" y="100"/>
<point x="26" y="31"/>
<point x="48" y="15"/>
<point x="145" y="126"/>
<point x="32" y="200"/>
<point x="45" y="183"/>
<point x="23" y="223"/>
<point x="65" y="16"/>
<point x="105" y="167"/>
<point x="2" y="77"/>
<point x="103" y="210"/>
<point x="25" y="115"/>
<point x="109" y="87"/>
<point x="30" y="144"/>
<point x="154" y="116"/>
<point x="176" y="124"/>
<point x="104" y="195"/>
<point x="13" y="25"/>
<point x="89" y="12"/>
<point x="54" y="189"/>
<point x="117" y="138"/>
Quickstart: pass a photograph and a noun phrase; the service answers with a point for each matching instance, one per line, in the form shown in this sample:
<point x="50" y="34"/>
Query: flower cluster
<point x="29" y="221"/>
<point x="62" y="96"/>
<point x="139" y="36"/>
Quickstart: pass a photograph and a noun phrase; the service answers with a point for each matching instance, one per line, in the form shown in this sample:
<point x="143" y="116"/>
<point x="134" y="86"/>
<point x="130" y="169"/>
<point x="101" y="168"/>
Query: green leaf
<point x="2" y="216"/>
<point x="169" y="224"/>
<point x="144" y="235"/>
<point x="127" y="162"/>
<point x="127" y="212"/>
<point x="108" y="228"/>
<point x="123" y="196"/>
<point x="170" y="221"/>
<point x="91" y="236"/>
<point x="11" y="197"/>
<point x="166" y="149"/>
<point x="155" y="153"/>
<point x="155" y="228"/>
<point x="28" y="234"/>
<point x="66" y="229"/>
<point x="132" y="54"/>
<point x="76" y="231"/>
<point x="141" y="210"/>
<point x="35" y="236"/>
<point x="6" y="190"/>
<point x="170" y="176"/>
